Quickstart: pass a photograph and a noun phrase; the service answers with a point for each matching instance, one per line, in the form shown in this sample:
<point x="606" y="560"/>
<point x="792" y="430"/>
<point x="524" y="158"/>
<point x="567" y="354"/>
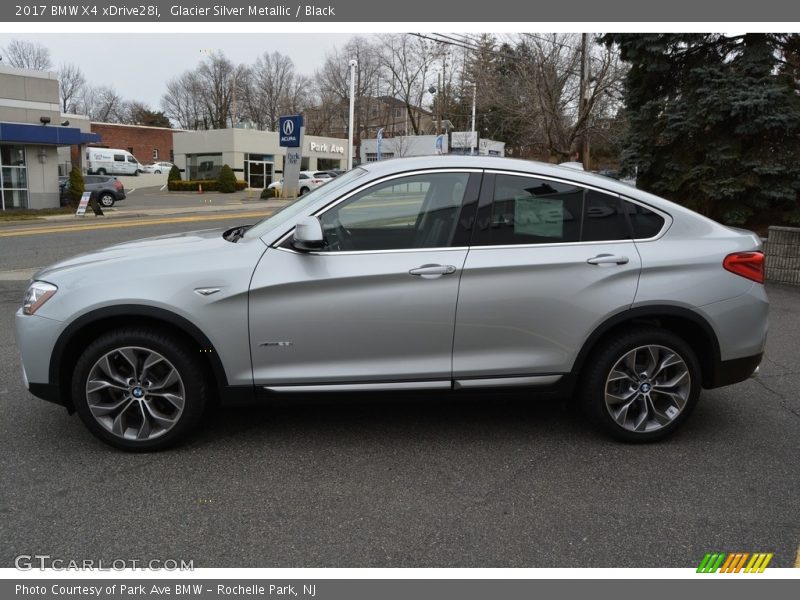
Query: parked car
<point x="158" y="167"/>
<point x="104" y="188"/>
<point x="437" y="273"/>
<point x="307" y="181"/>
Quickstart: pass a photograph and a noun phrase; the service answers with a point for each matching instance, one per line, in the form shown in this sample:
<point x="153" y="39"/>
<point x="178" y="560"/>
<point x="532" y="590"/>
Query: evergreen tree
<point x="76" y="185"/>
<point x="174" y="174"/>
<point x="714" y="123"/>
<point x="226" y="182"/>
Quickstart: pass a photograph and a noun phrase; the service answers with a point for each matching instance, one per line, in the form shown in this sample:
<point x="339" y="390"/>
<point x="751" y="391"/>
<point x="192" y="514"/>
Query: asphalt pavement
<point x="433" y="480"/>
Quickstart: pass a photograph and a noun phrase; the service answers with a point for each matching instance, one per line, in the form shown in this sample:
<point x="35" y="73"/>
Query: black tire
<point x="598" y="369"/>
<point x="303" y="191"/>
<point x="101" y="171"/>
<point x="106" y="199"/>
<point x="184" y="361"/>
<point x="157" y="172"/>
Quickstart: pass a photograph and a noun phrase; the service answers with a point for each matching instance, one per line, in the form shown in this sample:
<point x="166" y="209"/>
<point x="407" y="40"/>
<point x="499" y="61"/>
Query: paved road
<point x="425" y="481"/>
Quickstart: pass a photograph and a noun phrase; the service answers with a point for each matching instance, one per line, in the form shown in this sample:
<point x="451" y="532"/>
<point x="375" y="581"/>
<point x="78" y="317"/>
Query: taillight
<point x="118" y="184"/>
<point x="747" y="264"/>
<point x="316" y="181"/>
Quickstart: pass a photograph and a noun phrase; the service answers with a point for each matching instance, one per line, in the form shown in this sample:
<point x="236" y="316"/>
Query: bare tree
<point x="410" y="62"/>
<point x="334" y="80"/>
<point x="183" y="102"/>
<point x="103" y="104"/>
<point x="217" y="77"/>
<point x="70" y="84"/>
<point x="272" y="89"/>
<point x="23" y="54"/>
<point x="546" y="98"/>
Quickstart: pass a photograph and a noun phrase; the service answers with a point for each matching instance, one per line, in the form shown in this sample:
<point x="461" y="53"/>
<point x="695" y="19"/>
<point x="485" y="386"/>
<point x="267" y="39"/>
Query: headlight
<point x="38" y="293"/>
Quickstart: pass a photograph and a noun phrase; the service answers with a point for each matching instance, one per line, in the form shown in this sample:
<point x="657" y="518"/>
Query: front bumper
<point x="36" y="337"/>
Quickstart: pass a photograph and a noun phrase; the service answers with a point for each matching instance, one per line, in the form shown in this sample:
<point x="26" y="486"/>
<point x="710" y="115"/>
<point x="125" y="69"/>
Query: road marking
<point x="18" y="274"/>
<point x="77" y="227"/>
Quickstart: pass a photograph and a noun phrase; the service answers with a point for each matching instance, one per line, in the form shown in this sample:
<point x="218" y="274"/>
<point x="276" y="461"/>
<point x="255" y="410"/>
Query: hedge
<point x="209" y="185"/>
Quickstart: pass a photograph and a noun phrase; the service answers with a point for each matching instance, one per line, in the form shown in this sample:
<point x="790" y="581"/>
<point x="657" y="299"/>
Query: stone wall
<point x="782" y="255"/>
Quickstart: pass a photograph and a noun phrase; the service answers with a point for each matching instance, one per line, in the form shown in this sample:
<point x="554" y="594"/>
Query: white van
<point x="111" y="161"/>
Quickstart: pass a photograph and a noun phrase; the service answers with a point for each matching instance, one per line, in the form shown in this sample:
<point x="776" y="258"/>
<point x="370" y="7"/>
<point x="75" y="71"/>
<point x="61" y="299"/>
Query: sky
<point x="139" y="65"/>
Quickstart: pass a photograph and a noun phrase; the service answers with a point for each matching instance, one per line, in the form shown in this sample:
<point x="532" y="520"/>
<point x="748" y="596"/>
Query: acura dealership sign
<point x="289" y="129"/>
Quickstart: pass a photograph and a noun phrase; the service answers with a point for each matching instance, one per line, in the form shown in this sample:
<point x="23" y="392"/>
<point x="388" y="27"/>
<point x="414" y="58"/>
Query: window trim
<point x="487" y="201"/>
<point x="281" y="241"/>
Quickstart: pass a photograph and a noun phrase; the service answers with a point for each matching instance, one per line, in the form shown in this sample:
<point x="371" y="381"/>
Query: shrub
<point x="267" y="193"/>
<point x="76" y="185"/>
<point x="209" y="185"/>
<point x="226" y="182"/>
<point x="174" y="174"/>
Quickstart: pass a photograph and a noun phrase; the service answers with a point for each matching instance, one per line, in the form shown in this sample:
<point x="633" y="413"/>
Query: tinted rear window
<point x="645" y="222"/>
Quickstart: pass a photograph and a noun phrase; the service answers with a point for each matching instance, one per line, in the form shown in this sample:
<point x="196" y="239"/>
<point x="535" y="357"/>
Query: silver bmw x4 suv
<point x="439" y="273"/>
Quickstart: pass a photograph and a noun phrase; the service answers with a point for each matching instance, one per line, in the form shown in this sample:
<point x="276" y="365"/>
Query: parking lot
<point x="422" y="481"/>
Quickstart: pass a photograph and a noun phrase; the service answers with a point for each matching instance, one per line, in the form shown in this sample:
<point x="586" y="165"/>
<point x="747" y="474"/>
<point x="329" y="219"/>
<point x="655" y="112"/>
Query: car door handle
<point x="430" y="271"/>
<point x="608" y="259"/>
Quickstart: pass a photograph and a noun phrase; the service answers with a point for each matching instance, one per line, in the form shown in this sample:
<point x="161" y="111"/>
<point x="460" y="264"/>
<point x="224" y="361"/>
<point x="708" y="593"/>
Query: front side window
<point x="418" y="211"/>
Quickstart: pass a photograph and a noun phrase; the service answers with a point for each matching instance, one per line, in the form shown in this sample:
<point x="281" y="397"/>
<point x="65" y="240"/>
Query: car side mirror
<point x="308" y="235"/>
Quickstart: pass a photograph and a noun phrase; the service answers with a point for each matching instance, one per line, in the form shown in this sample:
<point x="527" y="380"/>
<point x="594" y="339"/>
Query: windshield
<point x="289" y="211"/>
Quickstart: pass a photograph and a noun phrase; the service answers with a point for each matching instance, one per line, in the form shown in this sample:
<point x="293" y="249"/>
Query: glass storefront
<point x="203" y="166"/>
<point x="13" y="177"/>
<point x="258" y="170"/>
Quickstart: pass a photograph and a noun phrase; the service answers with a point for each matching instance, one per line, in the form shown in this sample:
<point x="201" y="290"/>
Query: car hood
<point x="159" y="252"/>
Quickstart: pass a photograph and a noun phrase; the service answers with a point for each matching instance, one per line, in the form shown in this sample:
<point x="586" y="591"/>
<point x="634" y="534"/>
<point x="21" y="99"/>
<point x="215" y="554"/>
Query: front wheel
<point x="642" y="385"/>
<point x="139" y="390"/>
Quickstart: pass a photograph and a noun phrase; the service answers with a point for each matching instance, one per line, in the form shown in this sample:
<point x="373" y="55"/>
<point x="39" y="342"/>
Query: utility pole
<point x="473" y="136"/>
<point x="353" y="65"/>
<point x="438" y="101"/>
<point x="583" y="102"/>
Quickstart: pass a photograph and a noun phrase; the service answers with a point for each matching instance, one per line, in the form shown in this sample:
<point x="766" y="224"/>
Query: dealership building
<point x="255" y="156"/>
<point x="32" y="130"/>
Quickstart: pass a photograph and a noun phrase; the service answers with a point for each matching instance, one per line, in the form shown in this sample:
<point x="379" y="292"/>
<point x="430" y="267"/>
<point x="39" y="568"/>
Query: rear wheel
<point x="303" y="191"/>
<point x="642" y="385"/>
<point x="101" y="171"/>
<point x="107" y="199"/>
<point x="139" y="390"/>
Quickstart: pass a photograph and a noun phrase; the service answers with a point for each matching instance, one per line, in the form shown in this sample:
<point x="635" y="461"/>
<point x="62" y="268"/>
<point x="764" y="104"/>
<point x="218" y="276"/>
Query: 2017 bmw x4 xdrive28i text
<point x="442" y="273"/>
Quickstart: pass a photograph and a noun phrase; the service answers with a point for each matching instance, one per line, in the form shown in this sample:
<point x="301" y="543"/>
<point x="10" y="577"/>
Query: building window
<point x="203" y="166"/>
<point x="172" y="156"/>
<point x="130" y="149"/>
<point x="13" y="177"/>
<point x="155" y="153"/>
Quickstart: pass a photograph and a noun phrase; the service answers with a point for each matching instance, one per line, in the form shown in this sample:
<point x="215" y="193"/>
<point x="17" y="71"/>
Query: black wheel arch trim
<point x="136" y="310"/>
<point x="653" y="311"/>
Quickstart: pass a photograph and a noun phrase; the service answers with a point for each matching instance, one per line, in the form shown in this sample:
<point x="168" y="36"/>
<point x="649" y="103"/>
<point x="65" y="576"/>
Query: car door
<point x="550" y="260"/>
<point x="374" y="309"/>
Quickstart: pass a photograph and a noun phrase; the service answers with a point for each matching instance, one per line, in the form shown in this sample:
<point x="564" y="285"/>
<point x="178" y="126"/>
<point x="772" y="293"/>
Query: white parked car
<point x="309" y="180"/>
<point x="158" y="167"/>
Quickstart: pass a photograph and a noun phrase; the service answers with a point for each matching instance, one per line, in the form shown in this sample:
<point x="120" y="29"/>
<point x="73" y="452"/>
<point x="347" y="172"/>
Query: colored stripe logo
<point x="735" y="562"/>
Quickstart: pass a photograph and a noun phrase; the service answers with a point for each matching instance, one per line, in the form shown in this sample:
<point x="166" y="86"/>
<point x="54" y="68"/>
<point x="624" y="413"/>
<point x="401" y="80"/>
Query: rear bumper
<point x="728" y="372"/>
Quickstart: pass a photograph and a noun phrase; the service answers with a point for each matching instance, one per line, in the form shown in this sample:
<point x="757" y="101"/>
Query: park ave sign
<point x="332" y="148"/>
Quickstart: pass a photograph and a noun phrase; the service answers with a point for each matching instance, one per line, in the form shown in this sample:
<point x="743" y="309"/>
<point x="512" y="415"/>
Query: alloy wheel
<point x="647" y="388"/>
<point x="135" y="393"/>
